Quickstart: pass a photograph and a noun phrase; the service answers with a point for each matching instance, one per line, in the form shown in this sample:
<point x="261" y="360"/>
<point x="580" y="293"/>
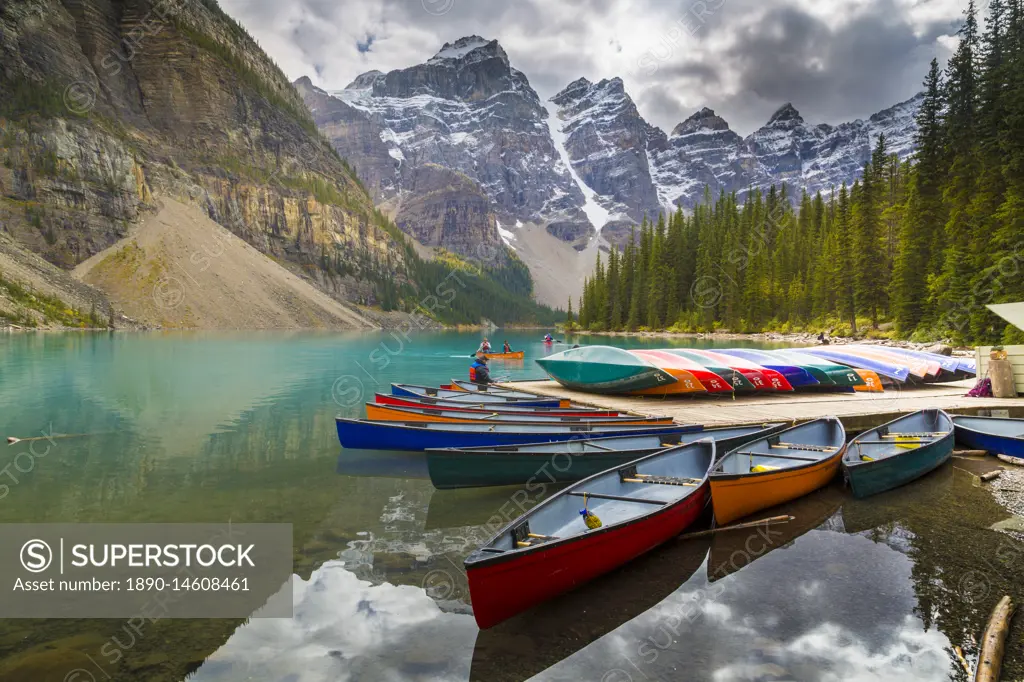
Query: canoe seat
<point x="629" y="475"/>
<point x="664" y="480"/>
<point x="618" y="498"/>
<point x="801" y="446"/>
<point x="927" y="434"/>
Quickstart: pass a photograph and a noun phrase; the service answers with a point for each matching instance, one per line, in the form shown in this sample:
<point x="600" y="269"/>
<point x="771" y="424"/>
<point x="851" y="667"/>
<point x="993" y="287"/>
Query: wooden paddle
<point x="740" y="526"/>
<point x="11" y="440"/>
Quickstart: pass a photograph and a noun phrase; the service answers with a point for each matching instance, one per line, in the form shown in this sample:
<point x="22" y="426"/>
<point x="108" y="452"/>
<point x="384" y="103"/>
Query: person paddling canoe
<point x="507" y="348"/>
<point x="485" y="346"/>
<point x="548" y="339"/>
<point x="478" y="372"/>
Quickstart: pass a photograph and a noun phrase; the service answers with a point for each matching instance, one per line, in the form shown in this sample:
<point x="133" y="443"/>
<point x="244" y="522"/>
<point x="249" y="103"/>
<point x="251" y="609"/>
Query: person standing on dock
<point x="478" y="372"/>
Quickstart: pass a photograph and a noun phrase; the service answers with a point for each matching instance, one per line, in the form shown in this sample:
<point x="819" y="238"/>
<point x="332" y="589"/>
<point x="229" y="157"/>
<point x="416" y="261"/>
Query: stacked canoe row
<point x="639" y="480"/>
<point x="679" y="371"/>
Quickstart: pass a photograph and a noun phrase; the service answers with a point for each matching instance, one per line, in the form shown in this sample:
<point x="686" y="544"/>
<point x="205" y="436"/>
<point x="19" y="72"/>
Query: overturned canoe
<point x="884" y="368"/>
<point x="543" y="463"/>
<point x="551" y="549"/>
<point x="691" y="376"/>
<point x="603" y="369"/>
<point x="898" y="452"/>
<point x="368" y="435"/>
<point x="777" y="469"/>
<point x="993" y="434"/>
<point x="823" y="370"/>
<point x="395" y="413"/>
<point x="764" y="379"/>
<point x="796" y="375"/>
<point x="734" y="377"/>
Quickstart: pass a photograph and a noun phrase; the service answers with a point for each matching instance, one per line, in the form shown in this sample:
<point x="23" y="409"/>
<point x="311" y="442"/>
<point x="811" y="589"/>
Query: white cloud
<point x="708" y="52"/>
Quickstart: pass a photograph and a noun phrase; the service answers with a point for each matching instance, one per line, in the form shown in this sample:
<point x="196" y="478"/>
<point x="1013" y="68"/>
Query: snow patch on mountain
<point x="597" y="214"/>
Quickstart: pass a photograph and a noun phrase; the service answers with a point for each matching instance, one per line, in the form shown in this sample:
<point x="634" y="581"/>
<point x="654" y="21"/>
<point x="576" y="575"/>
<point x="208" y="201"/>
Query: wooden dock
<point x="858" y="411"/>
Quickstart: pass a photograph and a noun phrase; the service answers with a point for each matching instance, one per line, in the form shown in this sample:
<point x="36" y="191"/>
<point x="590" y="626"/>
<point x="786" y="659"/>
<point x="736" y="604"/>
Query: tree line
<point x="918" y="246"/>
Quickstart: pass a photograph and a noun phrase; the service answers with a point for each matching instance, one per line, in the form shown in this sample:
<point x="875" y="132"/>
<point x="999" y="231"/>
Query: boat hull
<point x="516" y="355"/>
<point x="504" y="588"/>
<point x="378" y="412"/>
<point x="450" y="469"/>
<point x="605" y="377"/>
<point x="473" y="398"/>
<point x="512" y="408"/>
<point x="736" y="496"/>
<point x="366" y="435"/>
<point x="1009" y="445"/>
<point x="870" y="478"/>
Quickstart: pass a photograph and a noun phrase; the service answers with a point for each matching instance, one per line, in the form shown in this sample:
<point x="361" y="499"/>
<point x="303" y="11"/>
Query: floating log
<point x="991" y="475"/>
<point x="993" y="642"/>
<point x="752" y="524"/>
<point x="970" y="453"/>
<point x="963" y="661"/>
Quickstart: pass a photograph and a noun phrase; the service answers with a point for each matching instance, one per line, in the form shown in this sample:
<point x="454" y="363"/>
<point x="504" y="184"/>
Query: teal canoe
<point x="898" y="452"/>
<point x="603" y="369"/>
<point x="542" y="463"/>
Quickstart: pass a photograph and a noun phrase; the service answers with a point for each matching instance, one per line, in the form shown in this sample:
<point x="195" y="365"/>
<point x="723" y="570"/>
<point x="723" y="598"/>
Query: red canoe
<point x="435" y="404"/>
<point x="550" y="549"/>
<point x="659" y="358"/>
<point x="763" y="378"/>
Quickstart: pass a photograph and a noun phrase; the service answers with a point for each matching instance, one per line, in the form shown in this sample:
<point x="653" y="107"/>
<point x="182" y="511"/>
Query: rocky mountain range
<point x="585" y="161"/>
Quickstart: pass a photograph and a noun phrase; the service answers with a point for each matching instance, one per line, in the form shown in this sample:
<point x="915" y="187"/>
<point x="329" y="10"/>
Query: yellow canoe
<point x="378" y="412"/>
<point x="777" y="469"/>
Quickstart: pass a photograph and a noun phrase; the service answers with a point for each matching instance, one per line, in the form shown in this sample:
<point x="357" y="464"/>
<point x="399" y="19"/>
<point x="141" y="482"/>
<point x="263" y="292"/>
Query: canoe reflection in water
<point x="732" y="550"/>
<point x="533" y="641"/>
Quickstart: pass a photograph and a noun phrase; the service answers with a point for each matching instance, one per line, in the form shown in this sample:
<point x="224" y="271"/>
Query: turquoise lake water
<point x="211" y="427"/>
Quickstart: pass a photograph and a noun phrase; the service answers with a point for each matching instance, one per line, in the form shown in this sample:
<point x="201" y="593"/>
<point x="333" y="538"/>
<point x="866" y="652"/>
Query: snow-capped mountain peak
<point x="470" y="49"/>
<point x="787" y="113"/>
<point x="705" y="119"/>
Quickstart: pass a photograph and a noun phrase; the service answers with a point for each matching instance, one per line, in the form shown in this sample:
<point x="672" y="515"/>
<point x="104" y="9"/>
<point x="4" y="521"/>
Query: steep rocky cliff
<point x="444" y="208"/>
<point x="607" y="140"/>
<point x="105" y="106"/>
<point x="437" y="205"/>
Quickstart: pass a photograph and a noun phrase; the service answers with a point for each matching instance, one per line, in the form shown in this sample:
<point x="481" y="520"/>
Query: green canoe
<point x="603" y="369"/>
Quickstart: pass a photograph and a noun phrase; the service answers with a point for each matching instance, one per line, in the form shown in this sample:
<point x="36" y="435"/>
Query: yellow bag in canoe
<point x="762" y="468"/>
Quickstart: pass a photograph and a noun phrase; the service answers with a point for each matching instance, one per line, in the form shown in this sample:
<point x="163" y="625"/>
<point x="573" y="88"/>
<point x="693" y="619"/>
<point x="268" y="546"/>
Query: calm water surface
<point x="240" y="427"/>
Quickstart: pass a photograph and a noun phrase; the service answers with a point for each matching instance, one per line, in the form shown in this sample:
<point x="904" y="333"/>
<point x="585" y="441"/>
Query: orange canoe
<point x="515" y="355"/>
<point x="872" y="382"/>
<point x="678" y="367"/>
<point x="777" y="469"/>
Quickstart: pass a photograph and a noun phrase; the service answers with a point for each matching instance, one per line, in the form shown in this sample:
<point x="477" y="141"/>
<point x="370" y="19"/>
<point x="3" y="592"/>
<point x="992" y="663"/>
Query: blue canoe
<point x="899" y="452"/>
<point x="358" y="433"/>
<point x="796" y="376"/>
<point x="1000" y="436"/>
<point x="948" y="363"/>
<point x="886" y="369"/>
<point x="518" y="398"/>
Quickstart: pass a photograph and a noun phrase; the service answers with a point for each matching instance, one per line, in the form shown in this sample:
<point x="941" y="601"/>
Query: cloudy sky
<point x="835" y="60"/>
